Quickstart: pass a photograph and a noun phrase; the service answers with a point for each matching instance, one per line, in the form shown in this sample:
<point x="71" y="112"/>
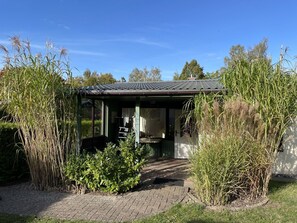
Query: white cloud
<point x="211" y="54"/>
<point x="54" y="23"/>
<point x="95" y="42"/>
<point x="64" y="26"/>
<point x="71" y="51"/>
<point x="140" y="40"/>
<point x="85" y="53"/>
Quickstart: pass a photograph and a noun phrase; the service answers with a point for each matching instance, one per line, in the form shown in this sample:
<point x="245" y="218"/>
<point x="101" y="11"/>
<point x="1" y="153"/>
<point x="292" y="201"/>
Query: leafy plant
<point x="86" y="127"/>
<point x="272" y="89"/>
<point x="33" y="92"/>
<point x="116" y="169"/>
<point x="244" y="126"/>
<point x="230" y="163"/>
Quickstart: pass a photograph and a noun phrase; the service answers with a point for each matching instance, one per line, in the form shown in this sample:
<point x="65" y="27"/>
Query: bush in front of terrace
<point x="116" y="169"/>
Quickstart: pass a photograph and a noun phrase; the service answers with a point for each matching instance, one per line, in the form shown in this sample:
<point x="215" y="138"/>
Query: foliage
<point x="8" y="125"/>
<point x="262" y="100"/>
<point x="138" y="75"/>
<point x="92" y="78"/>
<point x="33" y="92"/>
<point x="212" y="75"/>
<point x="86" y="127"/>
<point x="218" y="169"/>
<point x="238" y="53"/>
<point x="230" y="162"/>
<point x="273" y="90"/>
<point x="190" y="70"/>
<point x="116" y="169"/>
<point x="4" y="117"/>
<point x="12" y="160"/>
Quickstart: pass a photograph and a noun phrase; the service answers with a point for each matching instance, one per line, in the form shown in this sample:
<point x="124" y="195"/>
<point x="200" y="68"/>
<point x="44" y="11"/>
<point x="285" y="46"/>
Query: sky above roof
<point x="116" y="36"/>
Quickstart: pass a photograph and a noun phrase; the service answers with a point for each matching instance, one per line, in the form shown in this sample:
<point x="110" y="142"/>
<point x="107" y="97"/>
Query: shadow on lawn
<point x="15" y="218"/>
<point x="275" y="186"/>
<point x="208" y="221"/>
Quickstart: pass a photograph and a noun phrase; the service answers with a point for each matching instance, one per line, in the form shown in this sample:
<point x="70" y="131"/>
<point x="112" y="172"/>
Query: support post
<point x="78" y="124"/>
<point x="106" y="117"/>
<point x="102" y="118"/>
<point x="93" y="122"/>
<point x="93" y="118"/>
<point x="137" y="121"/>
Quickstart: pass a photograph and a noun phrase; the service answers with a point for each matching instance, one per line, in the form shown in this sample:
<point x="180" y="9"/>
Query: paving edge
<point x="262" y="202"/>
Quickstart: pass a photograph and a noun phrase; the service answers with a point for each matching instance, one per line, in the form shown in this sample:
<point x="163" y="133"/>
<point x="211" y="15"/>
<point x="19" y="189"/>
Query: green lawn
<point x="281" y="208"/>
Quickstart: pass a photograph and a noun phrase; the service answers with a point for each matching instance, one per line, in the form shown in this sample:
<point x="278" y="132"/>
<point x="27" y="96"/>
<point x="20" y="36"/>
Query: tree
<point x="176" y="76"/>
<point x="191" y="70"/>
<point x="138" y="75"/>
<point x="154" y="74"/>
<point x="212" y="75"/>
<point x="106" y="78"/>
<point x="93" y="78"/>
<point x="87" y="74"/>
<point x="238" y="53"/>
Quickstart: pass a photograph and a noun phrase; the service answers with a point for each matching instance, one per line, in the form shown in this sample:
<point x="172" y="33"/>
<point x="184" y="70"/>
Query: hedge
<point x="86" y="128"/>
<point x="13" y="164"/>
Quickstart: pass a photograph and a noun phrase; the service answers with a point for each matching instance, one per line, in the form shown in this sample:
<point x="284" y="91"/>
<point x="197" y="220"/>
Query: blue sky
<point x="118" y="35"/>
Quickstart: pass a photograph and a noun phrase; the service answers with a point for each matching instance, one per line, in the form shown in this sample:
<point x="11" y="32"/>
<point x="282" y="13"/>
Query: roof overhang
<point x="169" y="88"/>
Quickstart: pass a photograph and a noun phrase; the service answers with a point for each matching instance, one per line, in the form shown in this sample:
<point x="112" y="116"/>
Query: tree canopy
<point x="238" y="52"/>
<point x="191" y="70"/>
<point x="138" y="75"/>
<point x="93" y="78"/>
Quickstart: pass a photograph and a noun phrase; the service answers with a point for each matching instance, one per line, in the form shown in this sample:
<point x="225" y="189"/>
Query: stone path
<point x="21" y="199"/>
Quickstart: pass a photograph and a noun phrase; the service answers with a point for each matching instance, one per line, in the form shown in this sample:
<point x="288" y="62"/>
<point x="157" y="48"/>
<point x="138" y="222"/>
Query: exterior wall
<point x="286" y="162"/>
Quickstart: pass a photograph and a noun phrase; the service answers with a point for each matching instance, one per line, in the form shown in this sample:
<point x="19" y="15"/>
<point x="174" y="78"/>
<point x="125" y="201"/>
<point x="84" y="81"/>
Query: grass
<point x="9" y="218"/>
<point x="281" y="208"/>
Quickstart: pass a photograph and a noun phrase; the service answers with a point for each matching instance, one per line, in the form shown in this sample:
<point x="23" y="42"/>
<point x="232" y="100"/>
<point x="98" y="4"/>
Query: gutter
<point x="149" y="92"/>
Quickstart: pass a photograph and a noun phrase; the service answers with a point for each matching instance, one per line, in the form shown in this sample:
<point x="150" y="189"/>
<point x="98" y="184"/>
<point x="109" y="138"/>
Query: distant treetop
<point x="190" y="71"/>
<point x="138" y="75"/>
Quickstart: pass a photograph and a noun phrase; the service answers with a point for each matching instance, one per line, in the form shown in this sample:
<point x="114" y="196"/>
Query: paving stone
<point x="22" y="199"/>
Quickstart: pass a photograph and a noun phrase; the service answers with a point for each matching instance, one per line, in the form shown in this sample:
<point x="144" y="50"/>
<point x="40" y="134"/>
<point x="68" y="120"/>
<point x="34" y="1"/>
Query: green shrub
<point x="86" y="128"/>
<point x="12" y="159"/>
<point x="273" y="89"/>
<point x="222" y="168"/>
<point x="116" y="169"/>
<point x="230" y="162"/>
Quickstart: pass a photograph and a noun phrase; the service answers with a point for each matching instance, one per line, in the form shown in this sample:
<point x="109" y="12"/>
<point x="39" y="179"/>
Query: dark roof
<point x="187" y="87"/>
